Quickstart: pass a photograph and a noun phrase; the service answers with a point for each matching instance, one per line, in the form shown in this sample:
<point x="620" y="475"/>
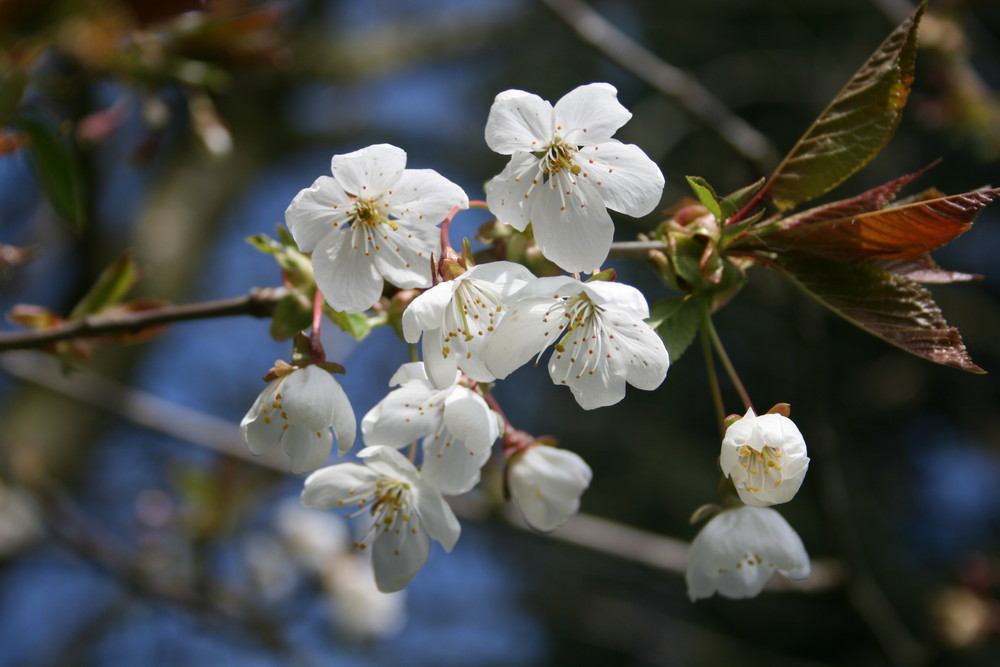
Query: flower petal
<point x="528" y="328"/>
<point x="399" y="551"/>
<point x="260" y="434"/>
<point x="415" y="370"/>
<point x="305" y="397"/>
<point x="403" y="416"/>
<point x="448" y="465"/>
<point x="590" y="114"/>
<point x="507" y="191"/>
<point x="403" y="256"/>
<point x="593" y="387"/>
<point x="425" y="196"/>
<point x="316" y="211"/>
<point x="436" y="516"/>
<point x="333" y="486"/>
<point x="346" y="276"/>
<point x="571" y="224"/>
<point x="519" y="121"/>
<point x="546" y="483"/>
<point x="440" y="368"/>
<point x="639" y="354"/>
<point x="307" y="448"/>
<point x="427" y="310"/>
<point x="370" y="171"/>
<point x="618" y="297"/>
<point x="470" y="419"/>
<point x="625" y="178"/>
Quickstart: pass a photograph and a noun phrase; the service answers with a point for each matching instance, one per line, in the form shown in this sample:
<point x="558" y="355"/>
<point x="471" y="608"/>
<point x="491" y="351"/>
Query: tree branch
<point x="259" y="302"/>
<point x="594" y="29"/>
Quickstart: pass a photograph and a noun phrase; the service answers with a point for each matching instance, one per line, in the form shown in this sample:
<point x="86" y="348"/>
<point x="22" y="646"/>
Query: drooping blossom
<point x="298" y="410"/>
<point x="601" y="341"/>
<point x="455" y="319"/>
<point x="738" y="551"/>
<point x="455" y="426"/>
<point x="766" y="458"/>
<point x="566" y="171"/>
<point x="372" y="221"/>
<point x="546" y="483"/>
<point x="406" y="511"/>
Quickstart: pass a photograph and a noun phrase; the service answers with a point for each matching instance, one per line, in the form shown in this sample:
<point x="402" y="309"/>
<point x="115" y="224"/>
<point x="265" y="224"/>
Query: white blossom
<point x="597" y="329"/>
<point x="765" y="457"/>
<point x="738" y="550"/>
<point x="455" y="424"/>
<point x="298" y="410"/>
<point x="456" y="317"/>
<point x="373" y="220"/>
<point x="406" y="511"/>
<point x="360" y="611"/>
<point x="546" y="483"/>
<point x="565" y="171"/>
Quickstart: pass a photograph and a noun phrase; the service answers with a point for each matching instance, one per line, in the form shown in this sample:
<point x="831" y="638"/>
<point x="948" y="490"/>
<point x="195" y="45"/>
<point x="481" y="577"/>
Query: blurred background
<point x="175" y="129"/>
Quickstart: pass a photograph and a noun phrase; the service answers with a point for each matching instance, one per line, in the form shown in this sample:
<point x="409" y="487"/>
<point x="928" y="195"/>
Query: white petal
<point x="345" y="424"/>
<point x="528" y="328"/>
<point x="427" y="310"/>
<point x="258" y="434"/>
<point x="519" y="121"/>
<point x="400" y="550"/>
<point x="425" y="196"/>
<point x="623" y="175"/>
<point x="316" y="211"/>
<point x="441" y="369"/>
<point x="573" y="230"/>
<point x="305" y="397"/>
<point x="590" y="114"/>
<point x="436" y="516"/>
<point x="507" y="191"/>
<point x="638" y="353"/>
<point x="346" y="277"/>
<point x="468" y="416"/>
<point x="448" y="465"/>
<point x="414" y="370"/>
<point x="333" y="486"/>
<point x="389" y="462"/>
<point x="553" y="287"/>
<point x="546" y="482"/>
<point x="403" y="256"/>
<point x="506" y="277"/>
<point x="403" y="416"/>
<point x="370" y="171"/>
<point x="307" y="448"/>
<point x="618" y="297"/>
<point x="594" y="387"/>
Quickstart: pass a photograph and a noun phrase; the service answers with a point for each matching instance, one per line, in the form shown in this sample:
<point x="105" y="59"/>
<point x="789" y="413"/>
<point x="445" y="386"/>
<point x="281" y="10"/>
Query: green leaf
<point x="706" y="195"/>
<point x="292" y="314"/>
<point x="675" y="319"/>
<point x="890" y="306"/>
<point x="734" y="201"/>
<point x="356" y="324"/>
<point x="856" y="125"/>
<point x="56" y="169"/>
<point x="111" y="287"/>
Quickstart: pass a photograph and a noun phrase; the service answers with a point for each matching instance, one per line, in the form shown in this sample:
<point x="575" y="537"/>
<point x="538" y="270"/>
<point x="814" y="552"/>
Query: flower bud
<point x="546" y="483"/>
<point x="765" y="457"/>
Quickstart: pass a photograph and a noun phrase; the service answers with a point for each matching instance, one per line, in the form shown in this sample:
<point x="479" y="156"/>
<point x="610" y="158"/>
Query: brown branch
<point x="259" y="302"/>
<point x="594" y="29"/>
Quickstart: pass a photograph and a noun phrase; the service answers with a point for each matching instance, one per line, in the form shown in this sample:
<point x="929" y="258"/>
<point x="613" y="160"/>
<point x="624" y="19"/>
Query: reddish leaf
<point x="866" y="202"/>
<point x="887" y="305"/>
<point x="923" y="270"/>
<point x="901" y="232"/>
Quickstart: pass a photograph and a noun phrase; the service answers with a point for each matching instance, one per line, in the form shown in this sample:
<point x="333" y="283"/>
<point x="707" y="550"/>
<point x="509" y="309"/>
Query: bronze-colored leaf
<point x="901" y="232"/>
<point x="856" y="125"/>
<point x="887" y="305"/>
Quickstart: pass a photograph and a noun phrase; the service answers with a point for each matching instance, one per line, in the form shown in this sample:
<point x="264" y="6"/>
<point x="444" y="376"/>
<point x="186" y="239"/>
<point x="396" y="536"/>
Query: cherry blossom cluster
<point x="375" y="221"/>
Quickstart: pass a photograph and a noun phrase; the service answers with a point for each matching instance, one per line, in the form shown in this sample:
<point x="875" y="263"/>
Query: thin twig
<point x="594" y="29"/>
<point x="259" y="302"/>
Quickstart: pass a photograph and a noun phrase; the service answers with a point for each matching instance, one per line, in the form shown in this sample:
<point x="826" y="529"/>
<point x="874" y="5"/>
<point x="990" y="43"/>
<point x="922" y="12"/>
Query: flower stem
<point x="315" y="340"/>
<point x="709" y="329"/>
<point x="713" y="380"/>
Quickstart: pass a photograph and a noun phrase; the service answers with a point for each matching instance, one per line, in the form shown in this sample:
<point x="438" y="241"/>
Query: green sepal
<point x="607" y="275"/>
<point x="301" y="350"/>
<point x="331" y="367"/>
<point x="675" y="320"/>
<point x="292" y="314"/>
<point x="111" y="287"/>
<point x="706" y="195"/>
